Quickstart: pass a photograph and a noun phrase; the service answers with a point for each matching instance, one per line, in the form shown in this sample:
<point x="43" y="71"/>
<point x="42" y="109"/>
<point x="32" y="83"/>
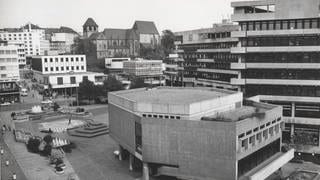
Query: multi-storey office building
<point x="149" y="70"/>
<point x="197" y="133"/>
<point x="32" y="36"/>
<point x="171" y="72"/>
<point x="9" y="73"/>
<point x="63" y="72"/>
<point x="278" y="58"/>
<point x="207" y="57"/>
<point x="21" y="52"/>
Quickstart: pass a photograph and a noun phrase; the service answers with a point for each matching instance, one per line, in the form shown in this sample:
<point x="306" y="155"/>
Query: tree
<point x="167" y="42"/>
<point x="155" y="52"/>
<point x="87" y="90"/>
<point x="137" y="83"/>
<point x="112" y="84"/>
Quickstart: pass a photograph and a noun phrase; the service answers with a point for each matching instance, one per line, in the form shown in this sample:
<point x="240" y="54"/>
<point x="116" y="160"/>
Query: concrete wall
<point x="122" y="127"/>
<point x="201" y="149"/>
<point x="291" y="9"/>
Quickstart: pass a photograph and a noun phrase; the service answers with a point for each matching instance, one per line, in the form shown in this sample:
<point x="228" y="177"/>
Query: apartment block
<point x="278" y="59"/>
<point x="9" y="74"/>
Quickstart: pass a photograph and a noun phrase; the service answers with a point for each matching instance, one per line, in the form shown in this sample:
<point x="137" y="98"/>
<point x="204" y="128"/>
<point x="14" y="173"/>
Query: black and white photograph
<point x="159" y="89"/>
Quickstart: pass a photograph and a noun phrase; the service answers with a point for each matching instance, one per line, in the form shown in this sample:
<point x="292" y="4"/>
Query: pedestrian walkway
<point x="13" y="167"/>
<point x="34" y="166"/>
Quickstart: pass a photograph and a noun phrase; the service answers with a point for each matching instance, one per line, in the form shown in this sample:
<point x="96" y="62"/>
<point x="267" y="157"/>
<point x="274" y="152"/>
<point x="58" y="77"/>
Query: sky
<point x="176" y="15"/>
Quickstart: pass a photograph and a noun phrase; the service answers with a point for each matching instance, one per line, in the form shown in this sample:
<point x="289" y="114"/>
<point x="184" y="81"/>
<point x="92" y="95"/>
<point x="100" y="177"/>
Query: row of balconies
<point x="286" y="32"/>
<point x="275" y="66"/>
<point x="243" y="50"/>
<point x="293" y="82"/>
<point x="220" y="71"/>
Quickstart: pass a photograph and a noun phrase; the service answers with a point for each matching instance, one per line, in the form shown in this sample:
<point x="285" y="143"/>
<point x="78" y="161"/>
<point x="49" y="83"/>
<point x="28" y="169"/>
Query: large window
<point x="138" y="137"/>
<point x="60" y="80"/>
<point x="73" y="80"/>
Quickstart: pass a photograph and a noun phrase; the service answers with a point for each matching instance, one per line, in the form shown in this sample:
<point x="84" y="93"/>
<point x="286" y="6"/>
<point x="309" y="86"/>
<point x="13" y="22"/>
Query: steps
<point x="90" y="131"/>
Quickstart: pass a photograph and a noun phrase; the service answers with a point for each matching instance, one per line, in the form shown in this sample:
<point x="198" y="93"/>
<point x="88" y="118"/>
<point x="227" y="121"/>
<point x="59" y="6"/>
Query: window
<point x="51" y="59"/>
<point x="45" y="60"/>
<point x="60" y="80"/>
<point x="57" y="68"/>
<point x="82" y="67"/>
<point x="67" y="68"/>
<point x="61" y="59"/>
<point x="77" y="59"/>
<point x="57" y="59"/>
<point x="71" y="59"/>
<point x="77" y="67"/>
<point x="81" y="58"/>
<point x="46" y="69"/>
<point x="67" y="59"/>
<point x="62" y="68"/>
<point x="73" y="80"/>
<point x="51" y="69"/>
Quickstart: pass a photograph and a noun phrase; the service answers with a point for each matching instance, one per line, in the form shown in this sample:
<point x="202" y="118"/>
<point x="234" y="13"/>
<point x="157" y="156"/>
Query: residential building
<point x="151" y="71"/>
<point x="9" y="73"/>
<point x="63" y="72"/>
<point x="278" y="59"/>
<point x="206" y="56"/>
<point x="61" y="39"/>
<point x="197" y="133"/>
<point x="32" y="36"/>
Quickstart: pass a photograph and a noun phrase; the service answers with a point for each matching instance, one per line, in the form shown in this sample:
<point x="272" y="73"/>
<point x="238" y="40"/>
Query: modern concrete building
<point x="149" y="70"/>
<point x="171" y="73"/>
<point x="32" y="36"/>
<point x="200" y="133"/>
<point x="115" y="65"/>
<point x="9" y="73"/>
<point x="278" y="59"/>
<point x="63" y="72"/>
<point x="207" y="57"/>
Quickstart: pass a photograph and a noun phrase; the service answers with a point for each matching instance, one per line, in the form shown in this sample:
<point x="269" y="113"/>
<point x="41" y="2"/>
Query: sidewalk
<point x="34" y="166"/>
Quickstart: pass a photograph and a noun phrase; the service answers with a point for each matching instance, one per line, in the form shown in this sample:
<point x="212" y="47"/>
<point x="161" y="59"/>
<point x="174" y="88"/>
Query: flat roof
<point x="173" y="95"/>
<point x="241" y="113"/>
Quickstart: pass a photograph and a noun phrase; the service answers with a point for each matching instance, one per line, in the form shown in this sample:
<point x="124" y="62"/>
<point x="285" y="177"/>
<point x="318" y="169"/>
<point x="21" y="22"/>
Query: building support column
<point x="293" y="110"/>
<point x="145" y="175"/>
<point x="120" y="153"/>
<point x="319" y="137"/>
<point x="131" y="162"/>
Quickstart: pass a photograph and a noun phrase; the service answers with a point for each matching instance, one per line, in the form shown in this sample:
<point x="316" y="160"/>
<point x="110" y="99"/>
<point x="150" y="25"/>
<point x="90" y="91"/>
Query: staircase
<point x="90" y="130"/>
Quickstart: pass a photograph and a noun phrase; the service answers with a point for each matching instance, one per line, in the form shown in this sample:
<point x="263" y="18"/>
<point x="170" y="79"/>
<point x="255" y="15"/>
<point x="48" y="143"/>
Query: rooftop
<point x="251" y="109"/>
<point x="90" y="22"/>
<point x="170" y="95"/>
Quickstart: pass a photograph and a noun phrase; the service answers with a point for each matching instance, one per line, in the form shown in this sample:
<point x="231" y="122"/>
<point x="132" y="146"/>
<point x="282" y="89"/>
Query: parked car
<point x="5" y="104"/>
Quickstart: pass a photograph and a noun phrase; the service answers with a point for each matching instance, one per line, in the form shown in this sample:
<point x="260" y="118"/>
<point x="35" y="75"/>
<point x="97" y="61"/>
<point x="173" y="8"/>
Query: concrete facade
<point x="209" y="136"/>
<point x="278" y="59"/>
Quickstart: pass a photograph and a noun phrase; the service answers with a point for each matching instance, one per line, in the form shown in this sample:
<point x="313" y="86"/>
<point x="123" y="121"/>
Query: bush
<point x="33" y="145"/>
<point x="48" y="139"/>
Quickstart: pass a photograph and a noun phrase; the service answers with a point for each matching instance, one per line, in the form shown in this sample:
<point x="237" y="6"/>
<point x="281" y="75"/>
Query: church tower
<point x="89" y="27"/>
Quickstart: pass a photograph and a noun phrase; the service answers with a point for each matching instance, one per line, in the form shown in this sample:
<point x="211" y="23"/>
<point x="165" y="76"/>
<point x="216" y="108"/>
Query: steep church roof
<point x="97" y="35"/>
<point x="90" y="22"/>
<point x="145" y="27"/>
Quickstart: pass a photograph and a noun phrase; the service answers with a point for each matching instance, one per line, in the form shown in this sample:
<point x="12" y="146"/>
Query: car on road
<point x="5" y="104"/>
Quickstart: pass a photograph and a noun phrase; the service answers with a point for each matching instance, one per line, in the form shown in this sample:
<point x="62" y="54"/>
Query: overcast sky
<point x="176" y="15"/>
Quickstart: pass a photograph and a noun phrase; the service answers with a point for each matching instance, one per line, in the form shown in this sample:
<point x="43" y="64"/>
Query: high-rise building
<point x="197" y="133"/>
<point x="31" y="35"/>
<point x="206" y="56"/>
<point x="279" y="60"/>
<point x="9" y="74"/>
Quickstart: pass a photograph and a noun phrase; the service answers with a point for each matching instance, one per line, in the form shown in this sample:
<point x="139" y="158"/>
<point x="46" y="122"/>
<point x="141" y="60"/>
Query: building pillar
<point x="319" y="138"/>
<point x="293" y="108"/>
<point x="145" y="175"/>
<point x="120" y="153"/>
<point x="131" y="162"/>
